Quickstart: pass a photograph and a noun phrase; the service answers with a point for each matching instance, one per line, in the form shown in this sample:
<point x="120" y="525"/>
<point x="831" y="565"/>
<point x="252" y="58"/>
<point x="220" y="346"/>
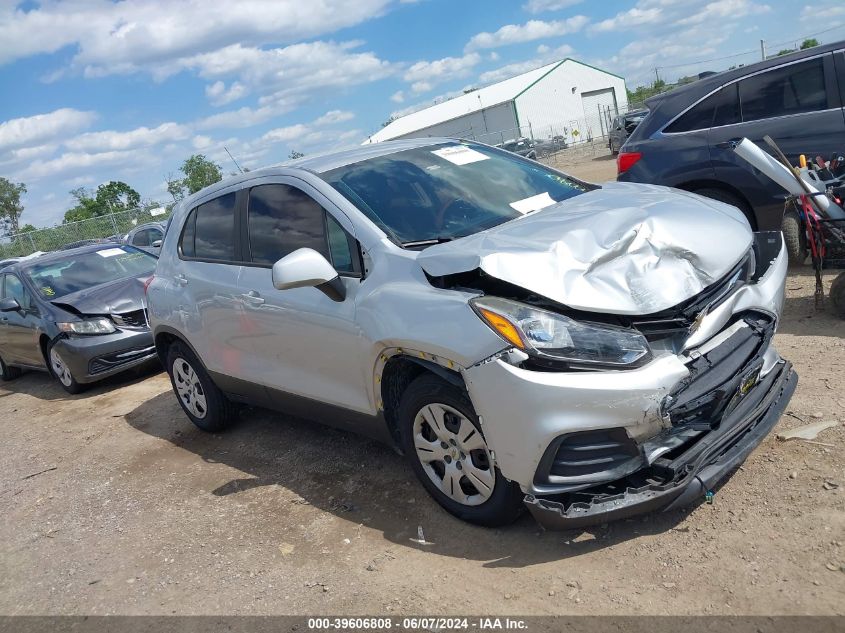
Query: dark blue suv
<point x="796" y="99"/>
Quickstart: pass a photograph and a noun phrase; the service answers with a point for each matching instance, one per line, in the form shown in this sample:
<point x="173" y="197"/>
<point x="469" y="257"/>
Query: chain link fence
<point x="112" y="227"/>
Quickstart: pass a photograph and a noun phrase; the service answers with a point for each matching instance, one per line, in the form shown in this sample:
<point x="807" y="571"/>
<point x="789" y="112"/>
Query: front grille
<point x="136" y="319"/>
<point x="715" y="376"/>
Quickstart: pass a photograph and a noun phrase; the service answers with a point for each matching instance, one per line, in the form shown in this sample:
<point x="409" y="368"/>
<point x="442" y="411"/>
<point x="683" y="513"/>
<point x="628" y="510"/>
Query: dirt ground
<point x="111" y="502"/>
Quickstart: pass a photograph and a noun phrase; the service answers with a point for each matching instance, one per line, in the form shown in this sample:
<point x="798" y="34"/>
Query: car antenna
<point x="233" y="159"/>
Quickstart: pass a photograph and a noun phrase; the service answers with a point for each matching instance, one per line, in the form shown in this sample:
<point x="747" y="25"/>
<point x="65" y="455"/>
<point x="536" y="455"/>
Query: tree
<point x="26" y="228"/>
<point x="10" y="205"/>
<point x="112" y="197"/>
<point x="784" y="51"/>
<point x="809" y="43"/>
<point x="199" y="172"/>
<point x="294" y="155"/>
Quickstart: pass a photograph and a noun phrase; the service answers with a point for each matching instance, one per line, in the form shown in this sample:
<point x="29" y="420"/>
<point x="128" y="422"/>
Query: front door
<point x="304" y="343"/>
<point x="19" y="331"/>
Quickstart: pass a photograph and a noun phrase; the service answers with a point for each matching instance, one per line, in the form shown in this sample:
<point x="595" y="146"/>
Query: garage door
<point x="598" y="105"/>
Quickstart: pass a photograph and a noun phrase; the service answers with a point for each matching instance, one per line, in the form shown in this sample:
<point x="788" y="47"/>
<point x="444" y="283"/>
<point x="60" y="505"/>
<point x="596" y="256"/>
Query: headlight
<point x="99" y="325"/>
<point x="553" y="336"/>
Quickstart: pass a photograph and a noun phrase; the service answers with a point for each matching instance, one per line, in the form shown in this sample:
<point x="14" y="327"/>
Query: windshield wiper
<point x="428" y="242"/>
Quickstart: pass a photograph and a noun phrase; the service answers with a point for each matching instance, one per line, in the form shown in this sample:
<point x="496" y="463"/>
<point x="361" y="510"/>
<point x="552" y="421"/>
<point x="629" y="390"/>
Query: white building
<point x="566" y="98"/>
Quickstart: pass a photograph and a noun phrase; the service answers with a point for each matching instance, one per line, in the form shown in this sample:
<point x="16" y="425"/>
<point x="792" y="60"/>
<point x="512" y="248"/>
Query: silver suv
<point x="524" y="338"/>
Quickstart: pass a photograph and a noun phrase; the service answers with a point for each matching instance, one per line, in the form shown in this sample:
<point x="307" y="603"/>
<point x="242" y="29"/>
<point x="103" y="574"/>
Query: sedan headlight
<point x="556" y="337"/>
<point x="100" y="325"/>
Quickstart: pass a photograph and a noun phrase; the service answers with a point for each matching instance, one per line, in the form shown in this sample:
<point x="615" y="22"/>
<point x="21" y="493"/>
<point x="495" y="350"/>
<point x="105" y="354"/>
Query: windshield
<point x="443" y="192"/>
<point x="58" y="278"/>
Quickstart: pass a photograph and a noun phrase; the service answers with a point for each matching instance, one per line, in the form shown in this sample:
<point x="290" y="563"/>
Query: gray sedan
<point x="79" y="314"/>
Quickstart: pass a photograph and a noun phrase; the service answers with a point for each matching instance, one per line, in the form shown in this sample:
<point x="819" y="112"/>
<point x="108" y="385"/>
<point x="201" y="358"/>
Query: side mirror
<point x="306" y="268"/>
<point x="10" y="304"/>
<point x="156" y="244"/>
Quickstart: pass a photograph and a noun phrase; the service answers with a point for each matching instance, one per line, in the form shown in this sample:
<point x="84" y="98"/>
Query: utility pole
<point x="656" y="76"/>
<point x="763" y="49"/>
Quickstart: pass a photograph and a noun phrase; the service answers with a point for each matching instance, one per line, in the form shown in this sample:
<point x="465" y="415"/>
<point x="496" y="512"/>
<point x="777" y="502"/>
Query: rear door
<point x="19" y="331"/>
<point x="798" y="105"/>
<point x="206" y="283"/>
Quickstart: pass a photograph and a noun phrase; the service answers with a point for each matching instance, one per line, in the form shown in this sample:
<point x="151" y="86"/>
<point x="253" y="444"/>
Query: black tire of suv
<point x="795" y="238"/>
<point x="727" y="197"/>
<point x="8" y="373"/>
<point x="837" y="295"/>
<point x="505" y="504"/>
<point x="221" y="412"/>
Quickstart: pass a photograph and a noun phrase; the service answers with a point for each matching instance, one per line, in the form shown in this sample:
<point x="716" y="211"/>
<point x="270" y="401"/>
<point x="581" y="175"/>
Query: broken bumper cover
<point x="92" y="358"/>
<point x="716" y="455"/>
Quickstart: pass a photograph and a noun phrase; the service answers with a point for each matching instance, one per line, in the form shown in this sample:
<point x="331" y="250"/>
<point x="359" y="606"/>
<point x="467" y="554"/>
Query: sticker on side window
<point x="459" y="155"/>
<point x="534" y="203"/>
<point x="111" y="252"/>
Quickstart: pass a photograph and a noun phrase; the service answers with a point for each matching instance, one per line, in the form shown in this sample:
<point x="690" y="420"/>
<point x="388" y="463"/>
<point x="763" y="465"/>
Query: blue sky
<point x="94" y="90"/>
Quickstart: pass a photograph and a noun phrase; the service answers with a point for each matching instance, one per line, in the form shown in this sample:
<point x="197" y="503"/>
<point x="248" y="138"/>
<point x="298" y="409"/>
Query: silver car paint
<point x="622" y="249"/>
<point x="395" y="310"/>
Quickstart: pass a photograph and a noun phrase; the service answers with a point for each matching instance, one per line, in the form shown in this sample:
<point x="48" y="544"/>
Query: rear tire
<point x="450" y="456"/>
<point x="837" y="295"/>
<point x="722" y="195"/>
<point x="200" y="399"/>
<point x="795" y="238"/>
<point x="8" y="373"/>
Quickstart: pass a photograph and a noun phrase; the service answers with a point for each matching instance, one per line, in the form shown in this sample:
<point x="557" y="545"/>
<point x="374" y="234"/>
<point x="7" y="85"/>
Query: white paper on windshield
<point x="534" y="203"/>
<point x="460" y="155"/>
<point x="111" y="252"/>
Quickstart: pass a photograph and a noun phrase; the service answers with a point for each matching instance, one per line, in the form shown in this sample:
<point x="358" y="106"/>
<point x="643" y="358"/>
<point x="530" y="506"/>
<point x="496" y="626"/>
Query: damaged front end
<point x="591" y="446"/>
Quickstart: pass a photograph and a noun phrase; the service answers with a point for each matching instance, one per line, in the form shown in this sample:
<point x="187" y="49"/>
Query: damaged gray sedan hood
<point x="624" y="249"/>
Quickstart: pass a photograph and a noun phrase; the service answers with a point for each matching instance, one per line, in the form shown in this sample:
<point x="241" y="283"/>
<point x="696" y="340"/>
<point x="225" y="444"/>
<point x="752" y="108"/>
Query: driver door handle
<point x="253" y="298"/>
<point x="181" y="280"/>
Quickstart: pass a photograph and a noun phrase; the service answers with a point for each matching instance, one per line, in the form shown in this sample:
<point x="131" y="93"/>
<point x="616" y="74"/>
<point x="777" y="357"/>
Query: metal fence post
<point x="114" y="223"/>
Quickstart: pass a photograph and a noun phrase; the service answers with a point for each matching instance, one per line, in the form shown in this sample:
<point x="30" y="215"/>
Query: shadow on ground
<point x="41" y="385"/>
<point x="364" y="482"/>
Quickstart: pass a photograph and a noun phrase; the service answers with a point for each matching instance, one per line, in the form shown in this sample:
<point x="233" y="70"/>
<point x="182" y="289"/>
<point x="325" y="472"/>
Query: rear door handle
<point x="253" y="298"/>
<point x="181" y="280"/>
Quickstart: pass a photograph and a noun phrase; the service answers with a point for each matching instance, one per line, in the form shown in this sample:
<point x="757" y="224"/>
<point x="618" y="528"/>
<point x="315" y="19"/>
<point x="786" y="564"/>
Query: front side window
<point x="142" y="238"/>
<point x="791" y="89"/>
<point x="13" y="288"/>
<point x="442" y="192"/>
<point x="60" y="277"/>
<point x="209" y="231"/>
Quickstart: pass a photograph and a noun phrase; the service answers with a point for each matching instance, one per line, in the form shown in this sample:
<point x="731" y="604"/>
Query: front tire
<point x="795" y="238"/>
<point x="61" y="371"/>
<point x="200" y="399"/>
<point x="442" y="439"/>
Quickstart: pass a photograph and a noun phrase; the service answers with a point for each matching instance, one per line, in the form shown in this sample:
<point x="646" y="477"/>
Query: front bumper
<point x="716" y="455"/>
<point x="92" y="358"/>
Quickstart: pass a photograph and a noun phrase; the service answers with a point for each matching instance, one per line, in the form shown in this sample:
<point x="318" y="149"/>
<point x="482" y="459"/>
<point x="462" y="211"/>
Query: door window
<point x="13" y="288"/>
<point x="790" y="89"/>
<point x="142" y="238"/>
<point x="209" y="231"/>
<point x="282" y="219"/>
<point x="720" y="108"/>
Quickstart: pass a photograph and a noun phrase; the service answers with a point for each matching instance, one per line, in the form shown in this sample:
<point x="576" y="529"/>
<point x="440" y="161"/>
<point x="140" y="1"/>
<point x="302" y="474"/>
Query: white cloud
<point x="531" y="30"/>
<point x="545" y="56"/>
<point x="79" y="163"/>
<point x="627" y="19"/>
<point x="41" y="128"/>
<point x="333" y="117"/>
<point x="831" y="11"/>
<point x="419" y="87"/>
<point x="219" y="95"/>
<point x="111" y="140"/>
<point x="441" y="70"/>
<point x="398" y="97"/>
<point x="246" y="116"/>
<point x="540" y="6"/>
<point x="716" y="12"/>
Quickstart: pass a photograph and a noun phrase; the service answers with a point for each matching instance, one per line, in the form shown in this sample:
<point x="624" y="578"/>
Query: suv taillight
<point x="626" y="160"/>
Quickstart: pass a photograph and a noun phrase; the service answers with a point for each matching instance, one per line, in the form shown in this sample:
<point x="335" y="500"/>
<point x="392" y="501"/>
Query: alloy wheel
<point x="189" y="388"/>
<point x="453" y="454"/>
<point x="60" y="369"/>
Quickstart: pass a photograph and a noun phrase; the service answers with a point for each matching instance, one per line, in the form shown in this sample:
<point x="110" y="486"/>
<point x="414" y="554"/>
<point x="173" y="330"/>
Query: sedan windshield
<point x="437" y="193"/>
<point x="76" y="272"/>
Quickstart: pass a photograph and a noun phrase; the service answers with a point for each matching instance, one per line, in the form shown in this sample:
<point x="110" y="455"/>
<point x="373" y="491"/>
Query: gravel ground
<point x="112" y="502"/>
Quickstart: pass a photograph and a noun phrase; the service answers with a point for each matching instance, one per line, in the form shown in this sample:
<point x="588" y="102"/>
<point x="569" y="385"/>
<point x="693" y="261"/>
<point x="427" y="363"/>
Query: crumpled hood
<point x="117" y="297"/>
<point x="625" y="248"/>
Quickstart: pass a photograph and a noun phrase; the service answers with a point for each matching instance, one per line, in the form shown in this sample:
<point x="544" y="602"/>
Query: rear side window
<point x="791" y="89"/>
<point x="210" y="231"/>
<point x="720" y="108"/>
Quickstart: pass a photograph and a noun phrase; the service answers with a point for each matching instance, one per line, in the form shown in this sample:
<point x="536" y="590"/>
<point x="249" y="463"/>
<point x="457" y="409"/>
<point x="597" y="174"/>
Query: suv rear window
<point x="210" y="231"/>
<point x="791" y="89"/>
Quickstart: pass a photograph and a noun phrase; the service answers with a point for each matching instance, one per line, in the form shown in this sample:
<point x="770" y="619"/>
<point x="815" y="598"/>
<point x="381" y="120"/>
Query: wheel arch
<point x="395" y="371"/>
<point x="165" y="337"/>
<point x="694" y="185"/>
